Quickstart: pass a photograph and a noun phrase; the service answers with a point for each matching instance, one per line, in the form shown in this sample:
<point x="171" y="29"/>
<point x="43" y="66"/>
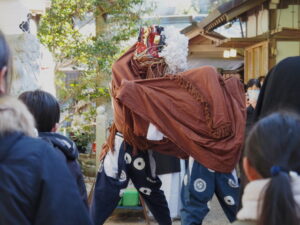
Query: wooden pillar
<point x="101" y="27"/>
<point x="272" y="41"/>
<point x="100" y="21"/>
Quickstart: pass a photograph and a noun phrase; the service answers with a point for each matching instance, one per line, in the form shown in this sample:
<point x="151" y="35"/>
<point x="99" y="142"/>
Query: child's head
<point x="273" y="151"/>
<point x="44" y="107"/>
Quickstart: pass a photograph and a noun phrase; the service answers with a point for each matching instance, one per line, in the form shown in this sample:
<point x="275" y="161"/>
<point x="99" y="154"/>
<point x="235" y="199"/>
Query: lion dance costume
<point x="160" y="107"/>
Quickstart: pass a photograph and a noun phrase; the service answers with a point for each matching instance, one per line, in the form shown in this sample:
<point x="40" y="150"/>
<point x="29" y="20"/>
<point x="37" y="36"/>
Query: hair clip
<point x="275" y="170"/>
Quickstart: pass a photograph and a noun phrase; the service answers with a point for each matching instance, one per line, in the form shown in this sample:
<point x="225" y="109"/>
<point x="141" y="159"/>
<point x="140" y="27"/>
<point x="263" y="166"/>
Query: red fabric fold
<point x="201" y="114"/>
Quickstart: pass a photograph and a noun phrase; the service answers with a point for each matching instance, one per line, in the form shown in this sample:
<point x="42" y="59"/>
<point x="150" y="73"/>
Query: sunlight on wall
<point x="33" y="64"/>
<point x="12" y="14"/>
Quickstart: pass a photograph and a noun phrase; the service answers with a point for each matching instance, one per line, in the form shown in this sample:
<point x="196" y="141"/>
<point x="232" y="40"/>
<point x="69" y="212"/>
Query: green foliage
<point x="92" y="55"/>
<point x="83" y="128"/>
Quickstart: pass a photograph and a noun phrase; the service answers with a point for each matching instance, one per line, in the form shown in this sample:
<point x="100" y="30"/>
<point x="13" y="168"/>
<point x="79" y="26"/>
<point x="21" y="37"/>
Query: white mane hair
<point x="176" y="50"/>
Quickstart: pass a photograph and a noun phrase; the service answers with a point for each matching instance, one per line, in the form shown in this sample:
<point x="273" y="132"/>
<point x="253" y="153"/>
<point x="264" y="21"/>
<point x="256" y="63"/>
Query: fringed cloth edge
<point x="220" y="132"/>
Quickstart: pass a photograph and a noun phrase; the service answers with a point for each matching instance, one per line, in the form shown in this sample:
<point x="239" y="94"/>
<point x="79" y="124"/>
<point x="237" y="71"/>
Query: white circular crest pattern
<point x="123" y="176"/>
<point x="145" y="191"/>
<point x="210" y="170"/>
<point x="139" y="163"/>
<point x="233" y="183"/>
<point x="127" y="158"/>
<point x="199" y="185"/>
<point x="229" y="200"/>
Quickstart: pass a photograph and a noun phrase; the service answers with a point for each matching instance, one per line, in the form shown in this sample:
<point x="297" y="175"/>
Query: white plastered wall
<point x="12" y="14"/>
<point x="288" y="17"/>
<point x="33" y="64"/>
<point x="258" y="24"/>
<point x="286" y="49"/>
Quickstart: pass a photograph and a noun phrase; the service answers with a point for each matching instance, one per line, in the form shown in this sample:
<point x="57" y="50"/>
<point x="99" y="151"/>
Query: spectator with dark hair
<point x="253" y="84"/>
<point x="44" y="107"/>
<point x="272" y="166"/>
<point x="252" y="93"/>
<point x="35" y="184"/>
<point x="253" y="89"/>
<point x="46" y="111"/>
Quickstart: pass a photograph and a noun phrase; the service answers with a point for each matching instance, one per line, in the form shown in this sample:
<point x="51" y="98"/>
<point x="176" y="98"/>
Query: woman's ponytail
<point x="279" y="206"/>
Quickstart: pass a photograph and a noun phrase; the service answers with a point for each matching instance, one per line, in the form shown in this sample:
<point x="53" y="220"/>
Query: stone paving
<point x="123" y="217"/>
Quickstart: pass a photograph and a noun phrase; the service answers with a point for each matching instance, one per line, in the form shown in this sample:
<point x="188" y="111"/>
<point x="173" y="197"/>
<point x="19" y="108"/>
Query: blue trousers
<point x="110" y="183"/>
<point x="199" y="186"/>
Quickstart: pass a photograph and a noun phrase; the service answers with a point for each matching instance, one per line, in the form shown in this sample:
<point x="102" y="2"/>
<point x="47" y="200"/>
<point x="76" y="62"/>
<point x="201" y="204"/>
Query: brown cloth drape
<point x="200" y="114"/>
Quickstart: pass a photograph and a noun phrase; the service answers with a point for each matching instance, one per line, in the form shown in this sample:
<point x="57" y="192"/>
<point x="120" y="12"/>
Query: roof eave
<point x="216" y="18"/>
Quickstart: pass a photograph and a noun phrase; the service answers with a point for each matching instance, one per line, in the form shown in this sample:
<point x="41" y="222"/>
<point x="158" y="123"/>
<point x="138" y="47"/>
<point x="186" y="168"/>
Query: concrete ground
<point x="125" y="217"/>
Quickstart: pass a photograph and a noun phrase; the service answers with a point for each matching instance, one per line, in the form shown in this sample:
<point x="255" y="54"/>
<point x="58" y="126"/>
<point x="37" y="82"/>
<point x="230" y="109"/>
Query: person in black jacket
<point x="35" y="184"/>
<point x="46" y="111"/>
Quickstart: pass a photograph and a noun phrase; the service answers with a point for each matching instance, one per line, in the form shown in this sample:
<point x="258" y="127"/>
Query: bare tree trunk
<point x="101" y="27"/>
<point x="100" y="22"/>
